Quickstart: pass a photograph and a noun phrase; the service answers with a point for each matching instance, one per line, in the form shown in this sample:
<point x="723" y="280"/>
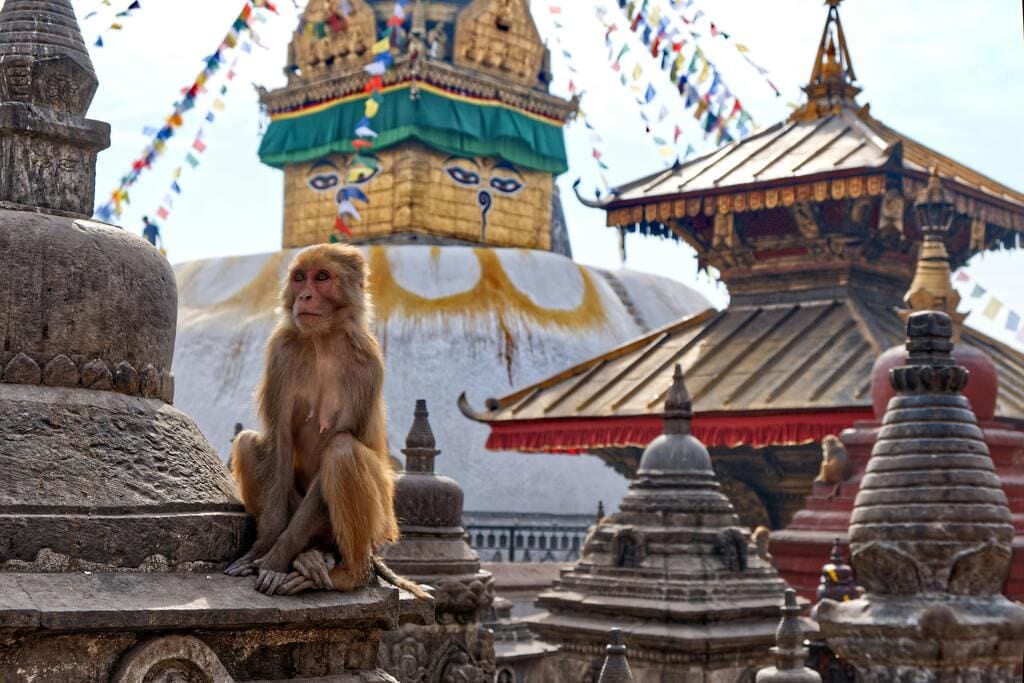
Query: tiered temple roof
<point x="811" y="225"/>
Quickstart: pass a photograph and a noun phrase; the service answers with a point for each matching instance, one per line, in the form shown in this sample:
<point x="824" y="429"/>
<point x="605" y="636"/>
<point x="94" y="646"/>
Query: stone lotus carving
<point x="62" y="371"/>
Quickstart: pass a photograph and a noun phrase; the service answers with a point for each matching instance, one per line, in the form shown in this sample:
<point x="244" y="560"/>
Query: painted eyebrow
<point x="322" y="164"/>
<point x="467" y="159"/>
<point x="508" y="167"/>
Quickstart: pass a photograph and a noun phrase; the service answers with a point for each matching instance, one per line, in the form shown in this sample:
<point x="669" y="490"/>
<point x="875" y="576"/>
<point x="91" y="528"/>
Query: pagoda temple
<point x="810" y="223"/>
<point x="454" y="205"/>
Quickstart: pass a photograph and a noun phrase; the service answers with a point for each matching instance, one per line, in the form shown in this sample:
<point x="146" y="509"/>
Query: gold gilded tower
<point x="467" y="139"/>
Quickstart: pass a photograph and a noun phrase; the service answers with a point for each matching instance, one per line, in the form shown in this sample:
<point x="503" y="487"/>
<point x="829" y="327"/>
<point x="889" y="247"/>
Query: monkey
<point x="760" y="539"/>
<point x="835" y="464"/>
<point x="318" y="478"/>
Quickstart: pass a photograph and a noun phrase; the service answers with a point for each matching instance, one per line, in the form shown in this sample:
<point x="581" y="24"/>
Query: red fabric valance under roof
<point x="725" y="430"/>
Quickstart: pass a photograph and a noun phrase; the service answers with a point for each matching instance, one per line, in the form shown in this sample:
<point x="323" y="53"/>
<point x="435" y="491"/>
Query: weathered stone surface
<point x="136" y="480"/>
<point x="149" y="381"/>
<point x="22" y="370"/>
<point x="96" y="375"/>
<point x="64" y="285"/>
<point x="126" y="379"/>
<point x="252" y="636"/>
<point x="61" y="372"/>
<point x="672" y="570"/>
<point x="930" y="536"/>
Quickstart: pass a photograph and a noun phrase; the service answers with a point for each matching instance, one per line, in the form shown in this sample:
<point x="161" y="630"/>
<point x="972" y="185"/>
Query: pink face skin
<point x="313" y="290"/>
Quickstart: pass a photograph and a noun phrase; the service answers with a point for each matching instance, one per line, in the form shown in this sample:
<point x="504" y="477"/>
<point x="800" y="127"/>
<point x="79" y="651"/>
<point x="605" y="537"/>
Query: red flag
<point x="555" y="10"/>
<point x="162" y="213"/>
<point x="677" y="47"/>
<point x="962" y="276"/>
<point x="341" y="226"/>
<point x="676" y="134"/>
<point x="375" y="83"/>
<point x="359" y="143"/>
<point x="199" y="146"/>
<point x="714" y="30"/>
<point x="572" y="86"/>
<point x="597" y="154"/>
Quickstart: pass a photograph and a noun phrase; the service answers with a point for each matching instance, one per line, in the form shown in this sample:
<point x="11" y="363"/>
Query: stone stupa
<point x="116" y="514"/>
<point x="672" y="569"/>
<point x="930" y="535"/>
<point x="433" y="551"/>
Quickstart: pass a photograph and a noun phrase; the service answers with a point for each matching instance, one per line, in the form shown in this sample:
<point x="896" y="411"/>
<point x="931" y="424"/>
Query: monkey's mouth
<point x="309" y="314"/>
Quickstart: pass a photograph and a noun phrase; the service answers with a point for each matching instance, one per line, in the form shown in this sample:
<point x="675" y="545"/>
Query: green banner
<point x="448" y="123"/>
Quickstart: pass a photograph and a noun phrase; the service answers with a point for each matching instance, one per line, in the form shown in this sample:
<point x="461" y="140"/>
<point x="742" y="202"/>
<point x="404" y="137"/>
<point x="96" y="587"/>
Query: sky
<point x="945" y="72"/>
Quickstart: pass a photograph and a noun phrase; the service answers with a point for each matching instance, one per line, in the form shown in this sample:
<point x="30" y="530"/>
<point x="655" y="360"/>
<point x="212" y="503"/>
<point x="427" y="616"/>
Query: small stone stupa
<point x="789" y="649"/>
<point x="433" y="551"/>
<point x="616" y="666"/>
<point x="672" y="569"/>
<point x="930" y="535"/>
<point x="116" y="515"/>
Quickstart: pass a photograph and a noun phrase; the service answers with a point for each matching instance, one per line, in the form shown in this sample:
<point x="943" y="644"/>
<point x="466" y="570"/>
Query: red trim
<point x="729" y="430"/>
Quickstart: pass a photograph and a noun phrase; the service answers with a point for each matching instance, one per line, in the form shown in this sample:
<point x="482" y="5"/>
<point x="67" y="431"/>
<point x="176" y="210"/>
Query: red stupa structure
<point x="826" y="513"/>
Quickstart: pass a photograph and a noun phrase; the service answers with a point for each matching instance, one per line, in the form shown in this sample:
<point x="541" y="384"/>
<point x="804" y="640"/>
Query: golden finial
<point x="831" y="84"/>
<point x="932" y="287"/>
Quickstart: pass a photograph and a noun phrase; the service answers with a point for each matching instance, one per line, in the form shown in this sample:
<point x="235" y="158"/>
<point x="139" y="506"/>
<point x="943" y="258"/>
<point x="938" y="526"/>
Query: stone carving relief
<point x="885" y="569"/>
<point x="96" y="374"/>
<point x="462" y="601"/>
<point x="326" y="39"/>
<point x="731" y="547"/>
<point x="406" y="658"/>
<point x="171" y="659"/>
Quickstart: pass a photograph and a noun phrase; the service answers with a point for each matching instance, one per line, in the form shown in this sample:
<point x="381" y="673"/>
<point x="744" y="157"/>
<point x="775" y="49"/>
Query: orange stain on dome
<point x="493" y="294"/>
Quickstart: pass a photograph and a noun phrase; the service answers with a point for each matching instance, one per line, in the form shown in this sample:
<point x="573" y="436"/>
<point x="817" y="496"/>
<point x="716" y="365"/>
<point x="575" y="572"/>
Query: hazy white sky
<point x="945" y="72"/>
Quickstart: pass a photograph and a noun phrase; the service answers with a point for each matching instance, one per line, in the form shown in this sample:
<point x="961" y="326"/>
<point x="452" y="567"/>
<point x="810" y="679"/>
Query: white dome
<point x="450" y="319"/>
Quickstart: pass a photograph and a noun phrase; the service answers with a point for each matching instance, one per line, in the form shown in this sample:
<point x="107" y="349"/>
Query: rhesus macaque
<point x="318" y="479"/>
<point x="760" y="538"/>
<point x="835" y="464"/>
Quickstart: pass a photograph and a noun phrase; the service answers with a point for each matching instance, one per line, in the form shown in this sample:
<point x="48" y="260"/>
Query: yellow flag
<point x="704" y="72"/>
<point x="177" y="173"/>
<point x="742" y="48"/>
<point x="201" y="79"/>
<point x="637" y="72"/>
<point x="115" y="27"/>
<point x="371" y="108"/>
<point x="702" y="107"/>
<point x="665" y="151"/>
<point x="381" y="46"/>
<point x="218" y="105"/>
<point x="992" y="309"/>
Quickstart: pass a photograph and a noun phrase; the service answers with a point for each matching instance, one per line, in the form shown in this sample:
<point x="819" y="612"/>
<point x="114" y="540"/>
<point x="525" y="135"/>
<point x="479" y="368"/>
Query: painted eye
<point x="322" y="181"/>
<point x="299" y="277"/>
<point x="463" y="176"/>
<point x="362" y="174"/>
<point x="506" y="185"/>
<point x="323" y="276"/>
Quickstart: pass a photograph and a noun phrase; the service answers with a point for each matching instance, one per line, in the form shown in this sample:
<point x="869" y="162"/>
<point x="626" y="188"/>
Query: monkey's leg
<point x="253" y="472"/>
<point x="309" y="522"/>
<point x="356" y="489"/>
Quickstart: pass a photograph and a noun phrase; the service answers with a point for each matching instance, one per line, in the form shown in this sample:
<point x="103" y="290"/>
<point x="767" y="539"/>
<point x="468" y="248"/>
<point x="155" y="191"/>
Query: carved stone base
<point x="586" y="668"/>
<point x="159" y="628"/>
<point x="440" y="653"/>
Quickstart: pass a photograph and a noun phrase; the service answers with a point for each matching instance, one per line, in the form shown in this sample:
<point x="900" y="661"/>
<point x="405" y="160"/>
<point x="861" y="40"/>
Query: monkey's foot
<point x="295" y="583"/>
<point x="315" y="566"/>
<point x="243" y="566"/>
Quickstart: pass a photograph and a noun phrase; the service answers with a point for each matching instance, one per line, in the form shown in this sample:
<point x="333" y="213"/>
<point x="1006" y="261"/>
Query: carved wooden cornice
<point x="450" y="77"/>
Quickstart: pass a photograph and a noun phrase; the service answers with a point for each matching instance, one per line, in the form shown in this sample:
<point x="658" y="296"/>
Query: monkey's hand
<point x="243" y="566"/>
<point x="269" y="581"/>
<point x="315" y="566"/>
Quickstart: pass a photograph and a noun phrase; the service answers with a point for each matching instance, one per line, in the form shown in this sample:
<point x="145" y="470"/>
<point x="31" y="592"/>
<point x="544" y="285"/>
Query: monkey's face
<point x="325" y="284"/>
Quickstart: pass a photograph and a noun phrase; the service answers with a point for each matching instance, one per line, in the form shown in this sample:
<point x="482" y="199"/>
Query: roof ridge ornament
<point x="830" y="88"/>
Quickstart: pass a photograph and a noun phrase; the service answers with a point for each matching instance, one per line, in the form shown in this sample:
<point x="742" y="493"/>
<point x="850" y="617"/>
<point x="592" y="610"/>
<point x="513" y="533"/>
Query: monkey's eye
<point x="506" y="185"/>
<point x="323" y="276"/>
<point x="322" y="181"/>
<point x="463" y="176"/>
<point x="299" y="277"/>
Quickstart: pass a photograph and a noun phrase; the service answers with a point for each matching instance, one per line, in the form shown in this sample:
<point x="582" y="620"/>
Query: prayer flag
<point x="992" y="309"/>
<point x="1012" y="321"/>
<point x="191" y="160"/>
<point x="371" y="108"/>
<point x="341" y="226"/>
<point x="381" y="46"/>
<point x="199" y="146"/>
<point x="742" y="48"/>
<point x="176" y="187"/>
<point x="637" y="71"/>
<point x="162" y="213"/>
<point x="962" y="276"/>
<point x="978" y="292"/>
<point x="649" y="94"/>
<point x="346" y="207"/>
<point x="209" y="116"/>
<point x="352" y="192"/>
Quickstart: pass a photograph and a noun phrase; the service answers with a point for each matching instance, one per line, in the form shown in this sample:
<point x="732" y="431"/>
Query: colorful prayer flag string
<point x="364" y="134"/>
<point x="119" y="197"/>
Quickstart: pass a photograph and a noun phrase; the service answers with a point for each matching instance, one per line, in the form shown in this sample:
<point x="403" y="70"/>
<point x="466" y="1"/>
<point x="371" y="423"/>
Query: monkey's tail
<point x="386" y="573"/>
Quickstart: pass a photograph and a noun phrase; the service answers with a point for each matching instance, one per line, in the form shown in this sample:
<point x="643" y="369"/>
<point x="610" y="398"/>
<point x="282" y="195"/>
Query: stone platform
<point x="125" y="627"/>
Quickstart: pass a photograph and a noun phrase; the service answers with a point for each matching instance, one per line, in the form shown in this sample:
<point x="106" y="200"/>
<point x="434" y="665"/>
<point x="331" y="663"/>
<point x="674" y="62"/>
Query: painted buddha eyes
<point x="322" y="181"/>
<point x="362" y="174"/>
<point x="463" y="176"/>
<point x="506" y="185"/>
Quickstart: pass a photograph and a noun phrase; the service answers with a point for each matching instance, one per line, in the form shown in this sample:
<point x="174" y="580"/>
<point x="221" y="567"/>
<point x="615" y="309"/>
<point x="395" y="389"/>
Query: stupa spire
<point x="932" y="287"/>
<point x="616" y="666"/>
<point x="831" y="84"/>
<point x="789" y="649"/>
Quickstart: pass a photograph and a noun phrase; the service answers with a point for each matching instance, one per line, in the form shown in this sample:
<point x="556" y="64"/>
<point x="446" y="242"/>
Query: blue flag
<point x="649" y="94"/>
<point x="1012" y="321"/>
